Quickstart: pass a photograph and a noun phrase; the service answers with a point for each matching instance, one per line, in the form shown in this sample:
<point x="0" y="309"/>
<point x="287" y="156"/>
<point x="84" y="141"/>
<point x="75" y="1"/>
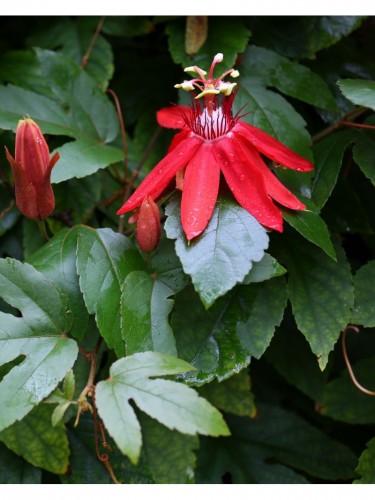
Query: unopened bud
<point x="31" y="169"/>
<point x="148" y="225"/>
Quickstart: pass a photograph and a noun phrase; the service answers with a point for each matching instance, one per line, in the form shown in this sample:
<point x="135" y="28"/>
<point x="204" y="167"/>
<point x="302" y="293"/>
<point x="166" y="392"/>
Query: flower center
<point x="213" y="123"/>
<point x="213" y="118"/>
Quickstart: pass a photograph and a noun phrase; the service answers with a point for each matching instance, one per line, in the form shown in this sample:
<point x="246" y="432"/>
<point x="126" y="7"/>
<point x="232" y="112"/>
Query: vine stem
<point x="43" y="229"/>
<point x="344" y="121"/>
<point x="90" y="384"/>
<point x="123" y="132"/>
<point x="347" y="362"/>
<point x="86" y="56"/>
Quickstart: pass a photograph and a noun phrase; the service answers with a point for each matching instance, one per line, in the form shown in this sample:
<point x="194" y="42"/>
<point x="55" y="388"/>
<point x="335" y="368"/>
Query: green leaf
<point x="37" y="339"/>
<point x="57" y="261"/>
<point x="366" y="467"/>
<point x="89" y="111"/>
<point x="364" y="310"/>
<point x="169" y="454"/>
<point x="21" y="68"/>
<point x="228" y="41"/>
<point x="63" y="398"/>
<point x="75" y="108"/>
<point x="232" y="395"/>
<point x="321" y="294"/>
<point x="328" y="153"/>
<point x="268" y="448"/>
<point x="167" y="266"/>
<point x="291" y="78"/>
<point x="104" y="259"/>
<point x="171" y="403"/>
<point x="364" y="155"/>
<point x="73" y="37"/>
<point x="342" y="401"/>
<point x="264" y="270"/>
<point x="220" y="342"/>
<point x="215" y="260"/>
<point x="311" y="226"/>
<point x="300" y="37"/>
<point x="145" y="302"/>
<point x="145" y="307"/>
<point x="82" y="158"/>
<point x="38" y="442"/>
<point x="273" y="114"/>
<point x="361" y="92"/>
<point x="15" y="470"/>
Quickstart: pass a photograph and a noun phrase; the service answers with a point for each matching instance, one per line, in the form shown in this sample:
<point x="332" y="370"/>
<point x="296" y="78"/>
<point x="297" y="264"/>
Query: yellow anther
<point x="184" y="86"/>
<point x="195" y="69"/>
<point x="207" y="92"/>
<point x="227" y="88"/>
<point x="234" y="73"/>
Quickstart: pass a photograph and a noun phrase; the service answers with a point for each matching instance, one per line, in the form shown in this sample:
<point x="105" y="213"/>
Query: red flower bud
<point x="32" y="168"/>
<point x="148" y="225"/>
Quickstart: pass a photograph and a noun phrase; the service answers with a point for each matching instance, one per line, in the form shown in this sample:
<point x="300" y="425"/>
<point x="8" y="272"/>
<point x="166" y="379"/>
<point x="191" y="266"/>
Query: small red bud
<point x="148" y="225"/>
<point x="31" y="169"/>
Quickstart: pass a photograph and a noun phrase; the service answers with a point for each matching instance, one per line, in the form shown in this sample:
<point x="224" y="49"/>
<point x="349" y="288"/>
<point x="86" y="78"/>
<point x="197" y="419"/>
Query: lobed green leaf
<point x="171" y="403"/>
<point x="215" y="260"/>
<point x="220" y="342"/>
<point x="291" y="78"/>
<point x="364" y="310"/>
<point x="366" y="465"/>
<point x="37" y="441"/>
<point x="271" y="448"/>
<point x="321" y="294"/>
<point x="104" y="259"/>
<point x="36" y="341"/>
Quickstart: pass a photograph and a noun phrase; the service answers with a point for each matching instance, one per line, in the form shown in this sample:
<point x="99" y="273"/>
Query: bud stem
<point x="43" y="229"/>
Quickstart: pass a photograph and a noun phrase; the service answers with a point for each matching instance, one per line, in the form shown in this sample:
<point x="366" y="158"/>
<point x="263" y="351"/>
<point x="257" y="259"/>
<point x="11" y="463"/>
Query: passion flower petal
<point x="274" y="188"/>
<point x="173" y="117"/>
<point x="200" y="190"/>
<point x="272" y="148"/>
<point x="246" y="184"/>
<point x="162" y="174"/>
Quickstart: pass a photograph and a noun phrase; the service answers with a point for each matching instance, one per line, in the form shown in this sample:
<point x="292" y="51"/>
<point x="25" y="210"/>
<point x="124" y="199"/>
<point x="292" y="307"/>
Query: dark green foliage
<point x="213" y="360"/>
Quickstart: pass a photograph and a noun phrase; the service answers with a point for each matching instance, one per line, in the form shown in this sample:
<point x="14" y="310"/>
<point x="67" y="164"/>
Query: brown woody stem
<point x="347" y="362"/>
<point x="123" y="132"/>
<point x="344" y="121"/>
<point x="86" y="57"/>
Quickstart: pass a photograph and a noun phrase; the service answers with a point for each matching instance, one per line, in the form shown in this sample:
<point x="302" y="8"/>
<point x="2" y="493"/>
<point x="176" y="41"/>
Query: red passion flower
<point x="213" y="141"/>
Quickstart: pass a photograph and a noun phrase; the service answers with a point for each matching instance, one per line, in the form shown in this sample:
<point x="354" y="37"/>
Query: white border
<point x="182" y="8"/>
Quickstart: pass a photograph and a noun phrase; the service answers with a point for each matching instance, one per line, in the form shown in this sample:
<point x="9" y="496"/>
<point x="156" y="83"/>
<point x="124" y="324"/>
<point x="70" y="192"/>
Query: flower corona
<point x="213" y="141"/>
